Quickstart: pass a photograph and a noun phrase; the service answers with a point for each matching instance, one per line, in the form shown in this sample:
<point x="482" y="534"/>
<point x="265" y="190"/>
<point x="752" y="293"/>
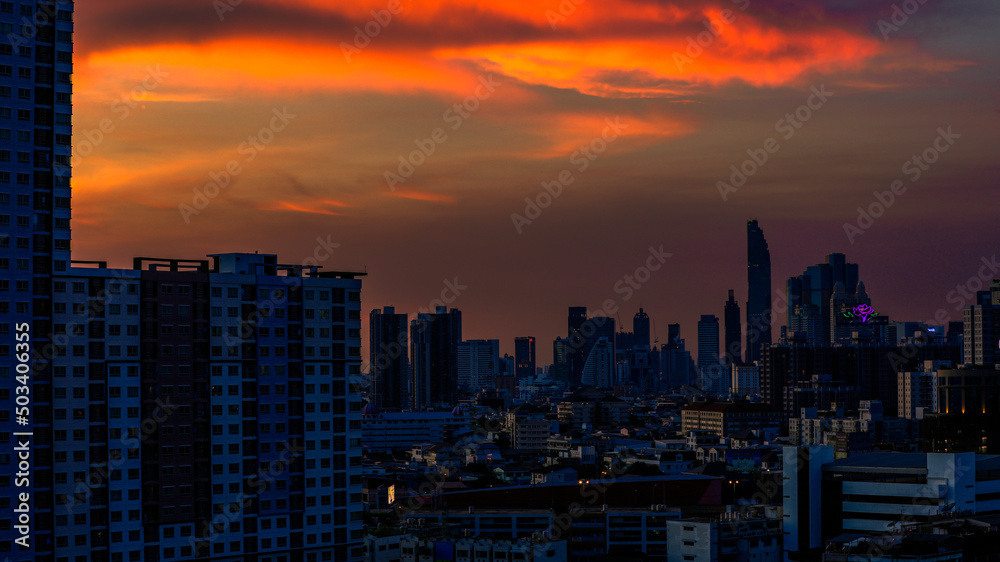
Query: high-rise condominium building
<point x="179" y="410"/>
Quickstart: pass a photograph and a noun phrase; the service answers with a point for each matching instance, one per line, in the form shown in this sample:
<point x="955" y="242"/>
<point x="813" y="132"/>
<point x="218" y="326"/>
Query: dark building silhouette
<point x="524" y="357"/>
<point x="390" y="362"/>
<point x="795" y="375"/>
<point x="434" y="339"/>
<point x="576" y="352"/>
<point x="758" y="292"/>
<point x="676" y="365"/>
<point x="562" y="361"/>
<point x="708" y="340"/>
<point x="734" y="349"/>
<point x="673" y="336"/>
<point x="640" y="329"/>
<point x="596" y="328"/>
<point x="810" y="294"/>
<point x="955" y="333"/>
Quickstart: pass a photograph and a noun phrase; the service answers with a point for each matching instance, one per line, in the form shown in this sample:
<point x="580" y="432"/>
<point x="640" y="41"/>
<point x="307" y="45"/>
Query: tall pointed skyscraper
<point x="758" y="292"/>
<point x="640" y="327"/>
<point x="733" y="351"/>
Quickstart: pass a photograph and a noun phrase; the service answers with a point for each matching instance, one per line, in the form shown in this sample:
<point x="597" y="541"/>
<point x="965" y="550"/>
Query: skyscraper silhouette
<point x="640" y="329"/>
<point x="810" y="293"/>
<point x="390" y="363"/>
<point x="524" y="357"/>
<point x="758" y="292"/>
<point x="577" y="354"/>
<point x="708" y="340"/>
<point x="434" y="339"/>
<point x="733" y="350"/>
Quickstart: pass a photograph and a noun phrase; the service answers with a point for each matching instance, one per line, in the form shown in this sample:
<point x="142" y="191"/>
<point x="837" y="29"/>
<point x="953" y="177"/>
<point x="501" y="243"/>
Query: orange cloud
<point x="424" y="196"/>
<point x="289" y="206"/>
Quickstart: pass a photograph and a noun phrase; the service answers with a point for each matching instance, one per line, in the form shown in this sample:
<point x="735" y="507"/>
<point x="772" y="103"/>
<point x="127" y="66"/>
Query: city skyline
<point x="186" y="374"/>
<point x="179" y="98"/>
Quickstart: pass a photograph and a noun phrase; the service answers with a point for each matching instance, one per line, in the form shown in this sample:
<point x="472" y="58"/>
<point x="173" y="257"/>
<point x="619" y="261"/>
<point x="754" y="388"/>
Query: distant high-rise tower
<point x="390" y="363"/>
<point x="434" y="339"/>
<point x="676" y="365"/>
<point x="840" y="303"/>
<point x="809" y="297"/>
<point x="577" y="354"/>
<point x="524" y="357"/>
<point x="640" y="329"/>
<point x="708" y="340"/>
<point x="673" y="336"/>
<point x="598" y="369"/>
<point x="478" y="364"/>
<point x="758" y="292"/>
<point x="733" y="349"/>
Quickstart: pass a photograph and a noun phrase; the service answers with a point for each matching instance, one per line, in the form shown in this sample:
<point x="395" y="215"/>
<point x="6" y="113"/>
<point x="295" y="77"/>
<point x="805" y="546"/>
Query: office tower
<point x="598" y="369"/>
<point x="812" y="291"/>
<point x="759" y="314"/>
<point x="576" y="318"/>
<point x="434" y="339"/>
<point x="508" y="366"/>
<point x="640" y="329"/>
<point x="733" y="350"/>
<point x="596" y="328"/>
<point x="982" y="328"/>
<point x="708" y="340"/>
<point x="802" y="508"/>
<point x="390" y="362"/>
<point x="807" y="322"/>
<point x="841" y="303"/>
<point x="524" y="357"/>
<point x="213" y="384"/>
<point x="677" y="367"/>
<point x="562" y="361"/>
<point x="478" y="364"/>
<point x="624" y="344"/>
<point x="673" y="335"/>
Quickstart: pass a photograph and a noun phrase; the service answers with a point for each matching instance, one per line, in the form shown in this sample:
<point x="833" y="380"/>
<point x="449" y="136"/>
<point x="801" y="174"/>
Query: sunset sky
<point x="185" y="88"/>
